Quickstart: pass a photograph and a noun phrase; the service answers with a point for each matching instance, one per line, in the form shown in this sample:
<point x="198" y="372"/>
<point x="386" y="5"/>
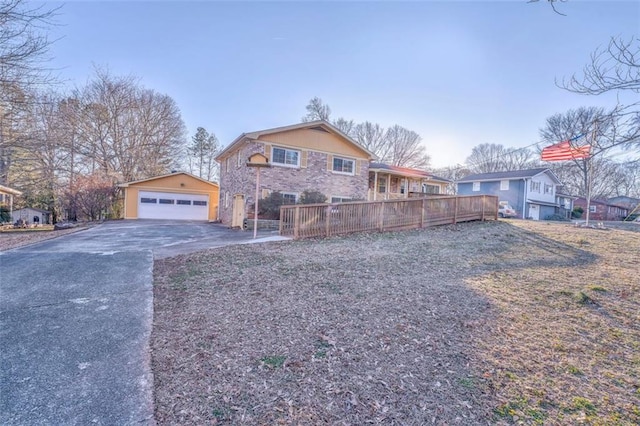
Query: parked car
<point x="505" y="210"/>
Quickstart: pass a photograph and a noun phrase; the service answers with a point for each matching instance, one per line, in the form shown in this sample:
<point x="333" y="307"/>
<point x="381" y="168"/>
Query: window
<point x="199" y="203"/>
<point x="285" y="157"/>
<point x="289" y="197"/>
<point x="433" y="189"/>
<point x="535" y="186"/>
<point x="343" y="165"/>
<point x="166" y="201"/>
<point x="148" y="200"/>
<point x="340" y="199"/>
<point x="476" y="186"/>
<point x="548" y="189"/>
<point x="183" y="202"/>
<point x="382" y="185"/>
<point x="504" y="185"/>
<point x="239" y="160"/>
<point x="593" y="209"/>
<point x="226" y="164"/>
<point x="226" y="199"/>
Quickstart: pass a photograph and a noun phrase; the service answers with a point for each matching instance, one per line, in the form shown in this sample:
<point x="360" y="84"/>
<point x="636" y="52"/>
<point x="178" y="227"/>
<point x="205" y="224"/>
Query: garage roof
<point x="127" y="184"/>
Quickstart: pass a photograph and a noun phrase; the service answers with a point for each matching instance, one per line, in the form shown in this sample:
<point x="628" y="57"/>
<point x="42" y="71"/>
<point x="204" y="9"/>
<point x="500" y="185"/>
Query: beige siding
<point x="179" y="183"/>
<point x="315" y="140"/>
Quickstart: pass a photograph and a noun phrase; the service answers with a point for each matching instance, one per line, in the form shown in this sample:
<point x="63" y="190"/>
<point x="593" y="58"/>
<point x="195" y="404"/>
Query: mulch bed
<point x="480" y="323"/>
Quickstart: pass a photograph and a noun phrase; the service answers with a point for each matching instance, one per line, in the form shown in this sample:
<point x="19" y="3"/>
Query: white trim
<point x="295" y="194"/>
<point x="353" y="165"/>
<point x="504" y="185"/>
<point x="297" y="151"/>
<point x="475" y="186"/>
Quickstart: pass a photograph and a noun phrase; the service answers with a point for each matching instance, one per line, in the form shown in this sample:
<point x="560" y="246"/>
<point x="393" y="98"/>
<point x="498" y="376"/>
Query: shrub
<point x="312" y="197"/>
<point x="577" y="212"/>
<point x="555" y="217"/>
<point x="269" y="207"/>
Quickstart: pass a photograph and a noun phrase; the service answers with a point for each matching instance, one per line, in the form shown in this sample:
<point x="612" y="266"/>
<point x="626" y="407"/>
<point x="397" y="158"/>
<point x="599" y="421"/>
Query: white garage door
<point x="167" y="205"/>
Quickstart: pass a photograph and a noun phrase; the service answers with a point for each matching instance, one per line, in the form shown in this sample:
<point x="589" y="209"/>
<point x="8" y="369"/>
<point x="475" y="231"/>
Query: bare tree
<point x="201" y="155"/>
<point x="487" y="158"/>
<point x="372" y="137"/>
<point x="23" y="43"/>
<point x="603" y="131"/>
<point x="552" y="3"/>
<point x="345" y="126"/>
<point x="317" y="110"/>
<point x="614" y="67"/>
<point x="405" y="148"/>
<point x="126" y="129"/>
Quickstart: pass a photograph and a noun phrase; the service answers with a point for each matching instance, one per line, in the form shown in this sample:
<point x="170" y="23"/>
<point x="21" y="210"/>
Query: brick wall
<point x="241" y="180"/>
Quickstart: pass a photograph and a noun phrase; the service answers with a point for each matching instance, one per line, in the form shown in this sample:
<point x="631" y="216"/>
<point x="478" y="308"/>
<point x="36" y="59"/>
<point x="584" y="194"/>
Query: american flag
<point x="563" y="151"/>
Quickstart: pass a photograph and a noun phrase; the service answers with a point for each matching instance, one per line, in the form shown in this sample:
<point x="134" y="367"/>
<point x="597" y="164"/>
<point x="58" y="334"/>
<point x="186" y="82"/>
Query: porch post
<point x="375" y="186"/>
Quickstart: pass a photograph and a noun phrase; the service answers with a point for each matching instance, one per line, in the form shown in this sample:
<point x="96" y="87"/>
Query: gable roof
<point x="405" y="171"/>
<point x="127" y="184"/>
<point x="8" y="190"/>
<point x="318" y="124"/>
<point x="513" y="174"/>
<point x="32" y="209"/>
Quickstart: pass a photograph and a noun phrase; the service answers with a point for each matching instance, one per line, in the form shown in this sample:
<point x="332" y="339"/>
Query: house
<point x="6" y="202"/>
<point x="633" y="204"/>
<point x="532" y="192"/>
<point x="306" y="156"/>
<point x="176" y="196"/>
<point x="602" y="209"/>
<point x="32" y="215"/>
<point x="392" y="182"/>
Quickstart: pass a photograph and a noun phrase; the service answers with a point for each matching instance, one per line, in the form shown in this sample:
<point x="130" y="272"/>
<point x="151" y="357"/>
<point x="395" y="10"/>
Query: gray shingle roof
<point x="513" y="174"/>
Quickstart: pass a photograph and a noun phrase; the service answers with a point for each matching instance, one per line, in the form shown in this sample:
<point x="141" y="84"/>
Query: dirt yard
<point x="510" y="322"/>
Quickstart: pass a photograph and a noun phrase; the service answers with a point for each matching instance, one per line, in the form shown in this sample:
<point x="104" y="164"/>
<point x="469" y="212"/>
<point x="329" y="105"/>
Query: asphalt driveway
<point x="75" y="321"/>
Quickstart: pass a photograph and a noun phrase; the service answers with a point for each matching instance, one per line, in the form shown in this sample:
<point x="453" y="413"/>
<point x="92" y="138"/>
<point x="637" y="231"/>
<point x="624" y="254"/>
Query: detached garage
<point x="176" y="196"/>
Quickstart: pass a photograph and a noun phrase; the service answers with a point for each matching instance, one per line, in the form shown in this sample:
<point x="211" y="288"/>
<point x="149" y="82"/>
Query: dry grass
<point x="14" y="238"/>
<point x="483" y="323"/>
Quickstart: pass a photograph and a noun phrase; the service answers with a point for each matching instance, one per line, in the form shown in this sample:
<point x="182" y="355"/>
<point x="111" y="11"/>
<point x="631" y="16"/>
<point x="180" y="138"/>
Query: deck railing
<point x="323" y="220"/>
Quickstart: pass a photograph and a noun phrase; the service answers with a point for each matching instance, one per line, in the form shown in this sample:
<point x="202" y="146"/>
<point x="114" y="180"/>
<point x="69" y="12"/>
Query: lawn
<point x="509" y="322"/>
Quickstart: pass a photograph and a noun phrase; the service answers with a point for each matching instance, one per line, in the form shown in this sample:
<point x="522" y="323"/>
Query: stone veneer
<point x="240" y="179"/>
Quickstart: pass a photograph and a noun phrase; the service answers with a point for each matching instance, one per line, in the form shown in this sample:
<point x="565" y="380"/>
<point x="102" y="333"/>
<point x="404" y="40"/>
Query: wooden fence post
<point x="381" y="218"/>
<point x="327" y="224"/>
<point x="296" y="223"/>
<point x="455" y="210"/>
<point x="281" y="220"/>
<point x="422" y="213"/>
<point x="484" y="198"/>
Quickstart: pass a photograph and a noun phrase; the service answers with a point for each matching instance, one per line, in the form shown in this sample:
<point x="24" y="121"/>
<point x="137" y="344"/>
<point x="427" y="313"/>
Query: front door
<point x="534" y="211"/>
<point x="237" y="216"/>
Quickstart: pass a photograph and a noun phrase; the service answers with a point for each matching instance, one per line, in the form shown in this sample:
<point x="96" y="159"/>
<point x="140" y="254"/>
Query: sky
<point x="459" y="73"/>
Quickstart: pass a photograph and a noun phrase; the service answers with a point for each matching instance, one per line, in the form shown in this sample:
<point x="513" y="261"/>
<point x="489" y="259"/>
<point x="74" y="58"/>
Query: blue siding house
<point x="532" y="192"/>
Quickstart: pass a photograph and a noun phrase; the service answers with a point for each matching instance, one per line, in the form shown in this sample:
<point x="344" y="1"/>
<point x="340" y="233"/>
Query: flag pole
<point x="589" y="169"/>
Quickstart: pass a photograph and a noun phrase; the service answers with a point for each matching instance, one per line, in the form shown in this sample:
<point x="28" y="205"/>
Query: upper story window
<point x="239" y="159"/>
<point x="343" y="165"/>
<point x="285" y="157"/>
<point x="548" y="189"/>
<point x="504" y="185"/>
<point x="535" y="186"/>
<point x="476" y="186"/>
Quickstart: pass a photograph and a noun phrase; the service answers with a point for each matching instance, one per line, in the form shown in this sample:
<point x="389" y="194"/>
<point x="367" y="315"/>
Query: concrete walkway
<point x="75" y="321"/>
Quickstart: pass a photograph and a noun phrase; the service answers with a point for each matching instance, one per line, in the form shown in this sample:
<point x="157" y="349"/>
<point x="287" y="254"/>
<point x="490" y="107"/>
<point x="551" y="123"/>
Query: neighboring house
<point x="565" y="205"/>
<point x="602" y="209"/>
<point x="532" y="192"/>
<point x="312" y="156"/>
<point x="392" y="182"/>
<point x="629" y="202"/>
<point x="29" y="215"/>
<point x="175" y="196"/>
<point x="7" y="198"/>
